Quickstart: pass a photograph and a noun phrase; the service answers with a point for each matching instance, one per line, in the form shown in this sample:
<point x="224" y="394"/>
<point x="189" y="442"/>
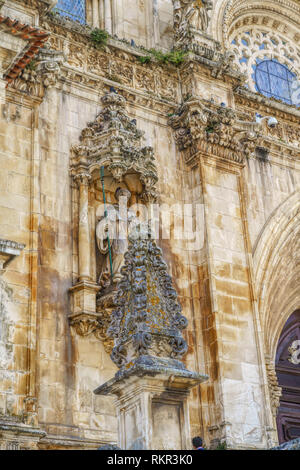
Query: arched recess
<point x="276" y="263"/>
<point x="284" y="15"/>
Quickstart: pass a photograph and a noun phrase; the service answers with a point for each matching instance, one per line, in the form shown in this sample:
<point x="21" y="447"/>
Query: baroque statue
<point x="118" y="222"/>
<point x="190" y="14"/>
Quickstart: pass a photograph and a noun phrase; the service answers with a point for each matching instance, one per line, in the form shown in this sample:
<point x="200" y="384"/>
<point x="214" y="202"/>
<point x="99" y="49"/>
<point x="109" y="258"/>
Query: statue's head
<point x="122" y="192"/>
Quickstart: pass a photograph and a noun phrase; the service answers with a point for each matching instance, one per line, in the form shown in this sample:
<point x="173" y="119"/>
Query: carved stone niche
<point x="114" y="143"/>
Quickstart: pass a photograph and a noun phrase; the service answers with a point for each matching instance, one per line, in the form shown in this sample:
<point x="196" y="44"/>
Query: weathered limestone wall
<point x="18" y="280"/>
<point x="268" y="185"/>
<point x="69" y="367"/>
<point x="148" y="23"/>
<point x="231" y="284"/>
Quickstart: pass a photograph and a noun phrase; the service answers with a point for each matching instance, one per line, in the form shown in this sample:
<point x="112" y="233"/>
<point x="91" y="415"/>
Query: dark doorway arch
<point x="288" y="374"/>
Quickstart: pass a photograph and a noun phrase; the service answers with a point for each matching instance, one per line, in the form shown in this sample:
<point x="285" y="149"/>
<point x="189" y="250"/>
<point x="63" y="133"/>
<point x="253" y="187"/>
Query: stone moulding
<point x="173" y="378"/>
<point x="15" y="436"/>
<point x="274" y="389"/>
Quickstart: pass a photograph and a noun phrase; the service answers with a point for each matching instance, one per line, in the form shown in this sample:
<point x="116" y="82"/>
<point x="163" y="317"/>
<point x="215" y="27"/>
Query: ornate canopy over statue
<point x="113" y="141"/>
<point x="118" y="223"/>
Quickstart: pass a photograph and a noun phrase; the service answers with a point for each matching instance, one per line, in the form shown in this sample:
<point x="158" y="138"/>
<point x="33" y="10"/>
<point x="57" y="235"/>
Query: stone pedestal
<point x="84" y="297"/>
<point x="152" y="406"/>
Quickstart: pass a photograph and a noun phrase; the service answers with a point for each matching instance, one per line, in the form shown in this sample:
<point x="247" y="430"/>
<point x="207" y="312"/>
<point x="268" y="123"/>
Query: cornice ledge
<point x="141" y="97"/>
<point x="271" y="102"/>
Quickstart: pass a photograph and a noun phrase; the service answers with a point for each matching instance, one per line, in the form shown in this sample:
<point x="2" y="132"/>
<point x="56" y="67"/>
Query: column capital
<point x="82" y="178"/>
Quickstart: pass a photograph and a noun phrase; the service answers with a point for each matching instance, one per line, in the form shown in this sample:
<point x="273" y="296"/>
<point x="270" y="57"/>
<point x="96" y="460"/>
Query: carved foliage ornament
<point x="274" y="389"/>
<point x="147" y="320"/>
<point x="44" y="74"/>
<point x="114" y="141"/>
<point x="200" y="125"/>
<point x="86" y="324"/>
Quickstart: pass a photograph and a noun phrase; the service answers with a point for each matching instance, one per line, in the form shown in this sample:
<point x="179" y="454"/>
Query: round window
<point x="274" y="79"/>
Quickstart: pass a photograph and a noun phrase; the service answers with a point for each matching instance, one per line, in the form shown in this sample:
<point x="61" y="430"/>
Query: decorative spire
<point x="147" y="322"/>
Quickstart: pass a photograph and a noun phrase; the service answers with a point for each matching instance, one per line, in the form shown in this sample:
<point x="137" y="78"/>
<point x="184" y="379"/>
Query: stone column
<point x="101" y="14"/>
<point x="108" y="16"/>
<point x="84" y="248"/>
<point x="83" y="294"/>
<point x="95" y="7"/>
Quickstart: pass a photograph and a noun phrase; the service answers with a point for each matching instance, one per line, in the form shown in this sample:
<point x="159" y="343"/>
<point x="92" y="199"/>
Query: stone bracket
<point x="8" y="251"/>
<point x="85" y="319"/>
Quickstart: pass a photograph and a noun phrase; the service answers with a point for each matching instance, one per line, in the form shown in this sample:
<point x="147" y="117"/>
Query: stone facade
<point x="177" y="130"/>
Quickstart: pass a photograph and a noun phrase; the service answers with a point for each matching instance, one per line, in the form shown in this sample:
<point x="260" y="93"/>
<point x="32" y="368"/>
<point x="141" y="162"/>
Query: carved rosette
<point x="199" y="125"/>
<point x="147" y="321"/>
<point x="113" y="141"/>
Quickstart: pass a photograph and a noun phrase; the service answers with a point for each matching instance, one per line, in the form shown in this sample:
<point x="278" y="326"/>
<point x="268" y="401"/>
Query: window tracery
<point x="271" y="63"/>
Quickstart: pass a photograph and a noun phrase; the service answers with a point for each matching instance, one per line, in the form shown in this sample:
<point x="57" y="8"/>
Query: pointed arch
<point x="276" y="263"/>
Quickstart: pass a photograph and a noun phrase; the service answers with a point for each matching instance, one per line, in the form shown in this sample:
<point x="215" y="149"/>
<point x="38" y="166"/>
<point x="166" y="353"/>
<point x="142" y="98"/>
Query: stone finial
<point x="147" y="322"/>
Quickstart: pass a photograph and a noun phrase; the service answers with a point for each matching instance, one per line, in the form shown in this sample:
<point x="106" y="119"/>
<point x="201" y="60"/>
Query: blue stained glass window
<point x="274" y="79"/>
<point x="73" y="9"/>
